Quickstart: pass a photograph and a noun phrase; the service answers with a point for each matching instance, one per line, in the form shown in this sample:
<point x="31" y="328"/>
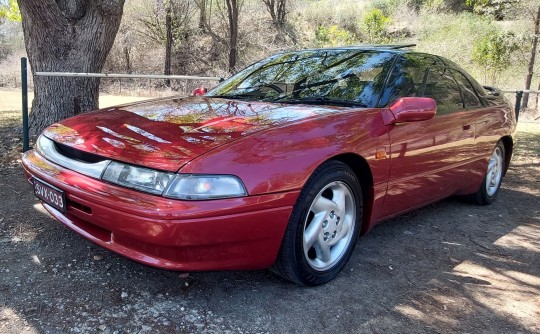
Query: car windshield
<point x="325" y="77"/>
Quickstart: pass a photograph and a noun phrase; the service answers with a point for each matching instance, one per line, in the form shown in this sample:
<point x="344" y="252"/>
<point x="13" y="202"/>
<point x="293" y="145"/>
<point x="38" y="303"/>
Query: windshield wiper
<point x="232" y="96"/>
<point x="321" y="100"/>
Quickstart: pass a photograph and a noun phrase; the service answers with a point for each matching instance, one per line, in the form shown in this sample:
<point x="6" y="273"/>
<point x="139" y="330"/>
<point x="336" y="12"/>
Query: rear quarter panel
<point x="491" y="124"/>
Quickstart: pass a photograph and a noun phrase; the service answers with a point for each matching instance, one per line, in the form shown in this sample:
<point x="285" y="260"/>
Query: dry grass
<point x="10" y="100"/>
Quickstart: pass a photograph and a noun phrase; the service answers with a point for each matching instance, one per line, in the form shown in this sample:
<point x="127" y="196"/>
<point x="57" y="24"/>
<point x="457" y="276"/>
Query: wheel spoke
<point x="344" y="231"/>
<point x="323" y="204"/>
<point x="325" y="253"/>
<point x="339" y="199"/>
<point x="313" y="231"/>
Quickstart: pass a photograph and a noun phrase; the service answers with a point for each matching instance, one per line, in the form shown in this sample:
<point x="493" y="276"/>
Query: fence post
<point x="519" y="96"/>
<point x="24" y="87"/>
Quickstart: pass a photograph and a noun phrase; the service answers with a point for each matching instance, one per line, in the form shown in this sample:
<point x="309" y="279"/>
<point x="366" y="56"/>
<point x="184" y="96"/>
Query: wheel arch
<point x="364" y="175"/>
<point x="508" y="143"/>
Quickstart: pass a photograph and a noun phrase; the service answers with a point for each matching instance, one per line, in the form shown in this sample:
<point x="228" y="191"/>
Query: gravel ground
<point x="449" y="267"/>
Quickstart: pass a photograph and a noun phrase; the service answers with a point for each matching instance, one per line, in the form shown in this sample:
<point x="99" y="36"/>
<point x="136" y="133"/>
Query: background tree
<point x="277" y="10"/>
<point x="493" y="52"/>
<point x="203" y="9"/>
<point x="496" y="9"/>
<point x="532" y="58"/>
<point x="229" y="10"/>
<point x="233" y="10"/>
<point x="168" y="25"/>
<point x="67" y="36"/>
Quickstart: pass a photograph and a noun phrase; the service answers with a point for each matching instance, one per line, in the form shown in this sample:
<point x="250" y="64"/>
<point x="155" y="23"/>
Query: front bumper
<point x="236" y="233"/>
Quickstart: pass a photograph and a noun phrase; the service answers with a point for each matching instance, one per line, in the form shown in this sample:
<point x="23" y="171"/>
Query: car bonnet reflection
<point x="166" y="134"/>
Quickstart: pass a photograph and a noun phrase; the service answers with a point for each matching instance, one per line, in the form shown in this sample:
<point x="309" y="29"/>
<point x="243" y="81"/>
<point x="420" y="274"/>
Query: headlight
<point x="139" y="178"/>
<point x="201" y="187"/>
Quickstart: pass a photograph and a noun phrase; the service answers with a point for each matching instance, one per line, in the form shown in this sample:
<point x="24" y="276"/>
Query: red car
<point x="283" y="165"/>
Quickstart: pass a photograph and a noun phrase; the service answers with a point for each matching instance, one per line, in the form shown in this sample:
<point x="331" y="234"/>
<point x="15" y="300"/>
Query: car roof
<point x="396" y="48"/>
<point x="391" y="48"/>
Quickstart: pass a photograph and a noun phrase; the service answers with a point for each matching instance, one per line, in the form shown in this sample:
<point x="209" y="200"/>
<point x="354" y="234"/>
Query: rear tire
<point x="492" y="181"/>
<point x="323" y="228"/>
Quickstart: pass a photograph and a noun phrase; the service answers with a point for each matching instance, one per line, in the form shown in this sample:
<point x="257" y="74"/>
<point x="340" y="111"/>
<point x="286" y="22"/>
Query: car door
<point x="477" y="116"/>
<point x="428" y="157"/>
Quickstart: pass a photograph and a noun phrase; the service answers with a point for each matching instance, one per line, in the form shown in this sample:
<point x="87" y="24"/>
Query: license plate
<point x="50" y="195"/>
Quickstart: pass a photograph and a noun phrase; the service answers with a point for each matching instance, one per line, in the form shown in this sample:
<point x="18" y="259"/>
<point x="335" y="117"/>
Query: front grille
<point x="79" y="206"/>
<point x="79" y="155"/>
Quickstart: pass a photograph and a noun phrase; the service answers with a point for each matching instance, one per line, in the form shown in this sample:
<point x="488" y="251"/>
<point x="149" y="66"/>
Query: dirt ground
<point x="449" y="267"/>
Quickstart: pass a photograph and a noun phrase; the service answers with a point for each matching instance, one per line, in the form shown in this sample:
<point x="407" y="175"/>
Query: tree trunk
<point x="532" y="60"/>
<point x="67" y="36"/>
<point x="202" y="15"/>
<point x="127" y="58"/>
<point x="168" y="44"/>
<point x="277" y="10"/>
<point x="232" y="11"/>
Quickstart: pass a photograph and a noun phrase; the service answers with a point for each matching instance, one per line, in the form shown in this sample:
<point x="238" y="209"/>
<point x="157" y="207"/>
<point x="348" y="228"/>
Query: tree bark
<point x="277" y="10"/>
<point x="67" y="36"/>
<point x="127" y="58"/>
<point x="530" y="70"/>
<point x="232" y="13"/>
<point x="168" y="44"/>
<point x="202" y="14"/>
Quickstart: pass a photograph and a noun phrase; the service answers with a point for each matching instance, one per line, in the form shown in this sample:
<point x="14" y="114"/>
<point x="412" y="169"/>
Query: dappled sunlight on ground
<point x="504" y="294"/>
<point x="499" y="280"/>
<point x="524" y="237"/>
<point x="12" y="322"/>
<point x="39" y="208"/>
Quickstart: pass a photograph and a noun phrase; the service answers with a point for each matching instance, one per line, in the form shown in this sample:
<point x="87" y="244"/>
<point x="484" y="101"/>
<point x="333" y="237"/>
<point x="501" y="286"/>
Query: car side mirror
<point x="411" y="109"/>
<point x="200" y="91"/>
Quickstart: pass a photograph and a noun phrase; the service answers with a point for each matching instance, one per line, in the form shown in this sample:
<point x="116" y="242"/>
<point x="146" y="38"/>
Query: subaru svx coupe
<point x="281" y="166"/>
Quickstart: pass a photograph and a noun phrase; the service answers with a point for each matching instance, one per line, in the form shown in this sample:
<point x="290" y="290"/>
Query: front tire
<point x="492" y="181"/>
<point x="323" y="228"/>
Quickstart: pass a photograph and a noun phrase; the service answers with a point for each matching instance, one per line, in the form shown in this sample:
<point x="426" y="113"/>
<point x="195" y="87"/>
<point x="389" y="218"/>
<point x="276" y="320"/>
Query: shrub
<point x="333" y="36"/>
<point x="493" y="51"/>
<point x="375" y="24"/>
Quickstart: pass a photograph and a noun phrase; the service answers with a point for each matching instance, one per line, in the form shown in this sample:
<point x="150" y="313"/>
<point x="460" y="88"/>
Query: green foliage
<point x="493" y="52"/>
<point x="387" y="7"/>
<point x="451" y="35"/>
<point x="375" y="24"/>
<point x="495" y="9"/>
<point x="10" y="11"/>
<point x="333" y="36"/>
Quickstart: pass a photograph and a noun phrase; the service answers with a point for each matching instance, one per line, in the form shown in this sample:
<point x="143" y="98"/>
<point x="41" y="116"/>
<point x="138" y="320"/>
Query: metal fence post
<point x="24" y="84"/>
<point x="519" y="96"/>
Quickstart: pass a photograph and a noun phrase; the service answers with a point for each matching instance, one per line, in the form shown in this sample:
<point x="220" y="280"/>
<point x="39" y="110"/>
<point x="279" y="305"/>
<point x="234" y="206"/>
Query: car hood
<point x="167" y="133"/>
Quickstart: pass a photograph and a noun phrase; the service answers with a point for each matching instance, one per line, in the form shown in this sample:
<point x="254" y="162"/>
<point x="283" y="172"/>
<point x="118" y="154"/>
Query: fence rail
<point x="523" y="91"/>
<point x="115" y="75"/>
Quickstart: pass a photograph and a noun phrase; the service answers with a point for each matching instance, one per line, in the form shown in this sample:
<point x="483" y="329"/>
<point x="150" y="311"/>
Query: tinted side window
<point x="407" y="78"/>
<point x="469" y="95"/>
<point x="441" y="86"/>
